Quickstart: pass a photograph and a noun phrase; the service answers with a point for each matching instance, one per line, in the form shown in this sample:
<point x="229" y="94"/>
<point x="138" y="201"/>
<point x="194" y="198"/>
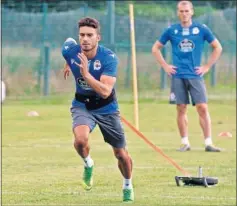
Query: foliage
<point x="158" y="11"/>
<point x="63" y="5"/>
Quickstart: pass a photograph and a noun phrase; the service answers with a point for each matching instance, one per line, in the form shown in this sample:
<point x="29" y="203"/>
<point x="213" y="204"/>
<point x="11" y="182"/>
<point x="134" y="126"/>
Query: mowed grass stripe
<point x="40" y="166"/>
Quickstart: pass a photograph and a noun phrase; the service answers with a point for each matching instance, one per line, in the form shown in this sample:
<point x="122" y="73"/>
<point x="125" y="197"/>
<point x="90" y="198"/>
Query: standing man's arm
<point x="217" y="49"/>
<point x="156" y="51"/>
<point x="216" y="52"/>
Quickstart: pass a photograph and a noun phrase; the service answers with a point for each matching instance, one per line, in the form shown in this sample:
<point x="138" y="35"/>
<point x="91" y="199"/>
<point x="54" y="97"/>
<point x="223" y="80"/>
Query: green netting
<point x="25" y="34"/>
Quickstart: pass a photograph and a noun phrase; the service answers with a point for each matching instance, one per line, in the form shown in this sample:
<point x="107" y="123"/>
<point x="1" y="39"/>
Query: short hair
<point x="90" y="22"/>
<point x="185" y="3"/>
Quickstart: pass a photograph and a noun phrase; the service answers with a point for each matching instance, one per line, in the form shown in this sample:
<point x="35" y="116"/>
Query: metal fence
<point x="31" y="42"/>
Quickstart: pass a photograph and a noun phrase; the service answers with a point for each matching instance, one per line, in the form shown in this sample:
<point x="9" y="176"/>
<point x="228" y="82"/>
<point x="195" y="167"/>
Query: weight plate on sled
<point x="197" y="181"/>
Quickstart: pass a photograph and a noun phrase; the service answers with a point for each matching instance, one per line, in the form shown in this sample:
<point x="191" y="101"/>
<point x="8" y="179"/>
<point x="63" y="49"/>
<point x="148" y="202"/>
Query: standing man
<point x="94" y="68"/>
<point x="187" y="39"/>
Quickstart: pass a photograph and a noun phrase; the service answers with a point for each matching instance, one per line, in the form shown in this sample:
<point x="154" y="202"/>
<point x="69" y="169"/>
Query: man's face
<point x="88" y="38"/>
<point x="185" y="12"/>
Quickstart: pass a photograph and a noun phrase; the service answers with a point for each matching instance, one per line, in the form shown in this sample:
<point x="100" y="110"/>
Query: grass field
<point x="40" y="166"/>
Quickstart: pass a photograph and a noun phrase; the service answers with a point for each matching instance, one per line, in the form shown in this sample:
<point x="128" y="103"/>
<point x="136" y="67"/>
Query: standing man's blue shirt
<point x="104" y="63"/>
<point x="187" y="47"/>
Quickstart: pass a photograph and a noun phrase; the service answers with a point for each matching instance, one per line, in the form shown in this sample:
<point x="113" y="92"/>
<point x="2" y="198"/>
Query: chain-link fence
<point x="27" y="35"/>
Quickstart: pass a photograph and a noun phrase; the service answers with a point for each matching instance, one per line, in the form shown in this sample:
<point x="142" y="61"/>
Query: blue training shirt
<point x="105" y="62"/>
<point x="187" y="47"/>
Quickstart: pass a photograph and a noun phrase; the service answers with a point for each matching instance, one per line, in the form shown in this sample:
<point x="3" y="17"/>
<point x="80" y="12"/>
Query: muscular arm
<point x="103" y="87"/>
<point x="157" y="53"/>
<point x="169" y="69"/>
<point x="217" y="49"/>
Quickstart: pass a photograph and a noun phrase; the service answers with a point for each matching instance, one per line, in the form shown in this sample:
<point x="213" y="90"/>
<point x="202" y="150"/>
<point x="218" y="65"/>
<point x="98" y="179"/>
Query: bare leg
<point x="204" y="119"/>
<point x="182" y="119"/>
<point x="125" y="167"/>
<point x="120" y="166"/>
<point x="124" y="162"/>
<point x="81" y="144"/>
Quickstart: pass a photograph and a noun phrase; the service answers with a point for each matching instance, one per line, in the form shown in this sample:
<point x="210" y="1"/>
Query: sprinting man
<point x="94" y="68"/>
<point x="187" y="39"/>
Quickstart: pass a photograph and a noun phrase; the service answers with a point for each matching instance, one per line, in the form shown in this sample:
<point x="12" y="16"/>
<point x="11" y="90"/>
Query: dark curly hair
<point x="90" y="22"/>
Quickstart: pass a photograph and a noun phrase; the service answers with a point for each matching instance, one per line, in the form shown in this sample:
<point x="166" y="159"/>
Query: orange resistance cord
<point x="157" y="149"/>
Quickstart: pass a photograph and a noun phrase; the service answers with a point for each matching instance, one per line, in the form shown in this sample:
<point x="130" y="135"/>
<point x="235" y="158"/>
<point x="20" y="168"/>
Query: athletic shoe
<point x="128" y="195"/>
<point x="87" y="178"/>
<point x="184" y="148"/>
<point x="212" y="148"/>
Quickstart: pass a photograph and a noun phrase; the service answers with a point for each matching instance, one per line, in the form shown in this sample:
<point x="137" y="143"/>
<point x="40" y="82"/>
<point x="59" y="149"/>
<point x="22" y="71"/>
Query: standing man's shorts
<point x="182" y="89"/>
<point x="110" y="125"/>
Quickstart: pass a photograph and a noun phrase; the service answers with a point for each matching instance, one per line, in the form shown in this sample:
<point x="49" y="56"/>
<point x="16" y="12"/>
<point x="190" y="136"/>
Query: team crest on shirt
<point x="97" y="65"/>
<point x="186" y="45"/>
<point x="195" y="30"/>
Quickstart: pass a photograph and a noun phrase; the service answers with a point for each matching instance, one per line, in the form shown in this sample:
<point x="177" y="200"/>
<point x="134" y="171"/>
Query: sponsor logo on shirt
<point x="186" y="45"/>
<point x="83" y="84"/>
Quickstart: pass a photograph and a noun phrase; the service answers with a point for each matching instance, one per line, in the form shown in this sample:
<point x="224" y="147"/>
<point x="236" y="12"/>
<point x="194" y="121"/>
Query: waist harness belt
<point x="95" y="102"/>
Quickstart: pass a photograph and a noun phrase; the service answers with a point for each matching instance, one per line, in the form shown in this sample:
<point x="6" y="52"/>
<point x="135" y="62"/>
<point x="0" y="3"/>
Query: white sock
<point x="208" y="141"/>
<point x="184" y="140"/>
<point x="88" y="162"/>
<point x="127" y="183"/>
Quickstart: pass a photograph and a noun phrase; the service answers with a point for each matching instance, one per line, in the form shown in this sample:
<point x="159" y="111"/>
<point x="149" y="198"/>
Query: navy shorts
<point x="110" y="125"/>
<point x="183" y="89"/>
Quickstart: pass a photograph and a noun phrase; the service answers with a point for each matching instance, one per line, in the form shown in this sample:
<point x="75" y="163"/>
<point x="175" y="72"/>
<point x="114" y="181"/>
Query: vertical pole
<point x="44" y="22"/>
<point x="213" y="69"/>
<point x="46" y="70"/>
<point x="111" y="22"/>
<point x="85" y="8"/>
<point x="163" y="76"/>
<point x="39" y="71"/>
<point x="42" y="49"/>
<point x="127" y="78"/>
<point x="231" y="57"/>
<point x="134" y="66"/>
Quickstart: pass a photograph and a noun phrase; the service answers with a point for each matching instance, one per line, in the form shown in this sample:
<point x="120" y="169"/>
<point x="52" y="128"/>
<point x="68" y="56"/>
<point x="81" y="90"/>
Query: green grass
<point x="40" y="166"/>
